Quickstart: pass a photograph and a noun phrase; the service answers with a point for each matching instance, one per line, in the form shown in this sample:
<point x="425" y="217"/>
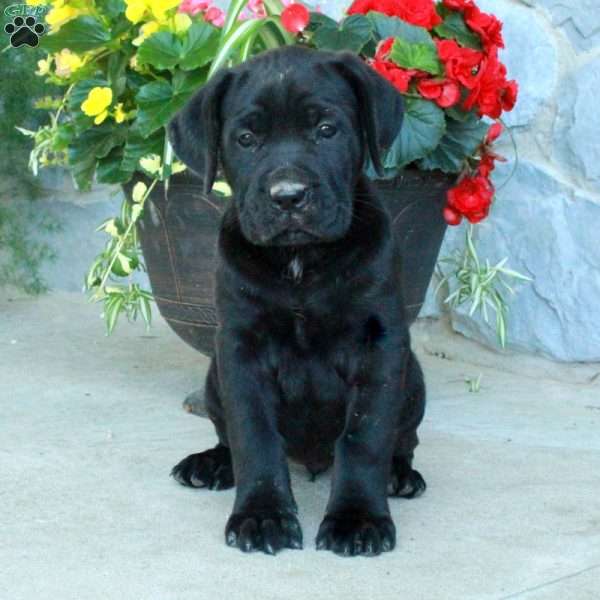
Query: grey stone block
<point x="578" y="124"/>
<point x="580" y="19"/>
<point x="543" y="226"/>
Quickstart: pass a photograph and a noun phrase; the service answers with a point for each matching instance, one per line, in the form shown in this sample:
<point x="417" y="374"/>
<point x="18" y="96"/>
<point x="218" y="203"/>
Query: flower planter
<point x="179" y="232"/>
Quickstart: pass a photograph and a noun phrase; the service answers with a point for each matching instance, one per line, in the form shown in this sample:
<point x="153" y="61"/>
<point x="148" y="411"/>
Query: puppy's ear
<point x="381" y="107"/>
<point x="195" y="131"/>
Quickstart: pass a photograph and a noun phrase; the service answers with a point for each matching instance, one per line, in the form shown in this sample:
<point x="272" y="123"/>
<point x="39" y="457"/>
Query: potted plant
<point x="128" y="66"/>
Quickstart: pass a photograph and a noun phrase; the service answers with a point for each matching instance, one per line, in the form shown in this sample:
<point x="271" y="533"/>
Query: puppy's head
<point x="292" y="129"/>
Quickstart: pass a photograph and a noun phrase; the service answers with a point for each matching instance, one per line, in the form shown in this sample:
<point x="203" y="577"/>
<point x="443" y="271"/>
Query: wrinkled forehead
<point x="287" y="92"/>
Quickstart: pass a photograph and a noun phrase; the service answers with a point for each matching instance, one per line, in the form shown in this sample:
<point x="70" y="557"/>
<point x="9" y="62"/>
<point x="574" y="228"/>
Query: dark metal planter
<point x="179" y="232"/>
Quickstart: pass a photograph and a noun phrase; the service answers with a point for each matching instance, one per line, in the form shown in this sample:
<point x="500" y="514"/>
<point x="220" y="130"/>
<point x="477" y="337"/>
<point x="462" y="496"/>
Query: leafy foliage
<point x="479" y="283"/>
<point x="126" y="73"/>
<point x="461" y="140"/>
<point x="351" y="34"/>
<point x="21" y="253"/>
<point x="455" y="28"/>
<point x="423" y="127"/>
<point x="420" y="56"/>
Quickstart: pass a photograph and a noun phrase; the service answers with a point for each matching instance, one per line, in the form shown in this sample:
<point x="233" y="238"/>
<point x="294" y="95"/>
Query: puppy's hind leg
<point x="212" y="468"/>
<point x="406" y="482"/>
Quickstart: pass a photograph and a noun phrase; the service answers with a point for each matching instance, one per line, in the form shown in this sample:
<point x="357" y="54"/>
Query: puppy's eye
<point x="246" y="140"/>
<point x="326" y="130"/>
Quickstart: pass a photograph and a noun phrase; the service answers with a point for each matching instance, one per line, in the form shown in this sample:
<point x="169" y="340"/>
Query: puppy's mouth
<point x="298" y="229"/>
<point x="293" y="237"/>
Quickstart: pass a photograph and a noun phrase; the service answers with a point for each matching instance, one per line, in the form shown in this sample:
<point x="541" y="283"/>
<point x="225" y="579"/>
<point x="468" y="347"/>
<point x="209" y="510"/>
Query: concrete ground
<point x="90" y="427"/>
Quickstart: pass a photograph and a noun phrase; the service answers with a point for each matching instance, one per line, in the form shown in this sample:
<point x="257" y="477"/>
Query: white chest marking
<point x="296" y="268"/>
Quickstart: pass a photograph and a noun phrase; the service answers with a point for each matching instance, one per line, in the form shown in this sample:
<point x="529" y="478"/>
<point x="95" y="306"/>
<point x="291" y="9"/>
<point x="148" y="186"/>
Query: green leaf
<point x="112" y="312"/>
<point x="460" y="141"/>
<point x="458" y="114"/>
<point x="112" y="8"/>
<point x="136" y="80"/>
<point x="199" y="46"/>
<point x="63" y="137"/>
<point x="422" y="129"/>
<point x="82" y="170"/>
<point x="319" y="19"/>
<point x="145" y="310"/>
<point x="385" y="27"/>
<point x="115" y="71"/>
<point x="79" y="35"/>
<point x="161" y="50"/>
<point x="164" y="50"/>
<point x="416" y="56"/>
<point x="351" y="34"/>
<point x="137" y="146"/>
<point x="97" y="141"/>
<point x="109" y="169"/>
<point x="455" y="28"/>
<point x="159" y="101"/>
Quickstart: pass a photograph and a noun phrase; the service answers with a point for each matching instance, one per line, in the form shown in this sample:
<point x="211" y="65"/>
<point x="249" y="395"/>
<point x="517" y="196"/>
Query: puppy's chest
<point x="318" y="354"/>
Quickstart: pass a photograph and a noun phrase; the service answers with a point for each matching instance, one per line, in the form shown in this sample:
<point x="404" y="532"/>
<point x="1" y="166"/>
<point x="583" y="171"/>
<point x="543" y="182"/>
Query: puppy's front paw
<point x="268" y="533"/>
<point x="211" y="469"/>
<point x="359" y="534"/>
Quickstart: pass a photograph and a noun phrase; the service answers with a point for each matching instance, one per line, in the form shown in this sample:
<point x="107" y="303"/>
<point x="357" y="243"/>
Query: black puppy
<point x="313" y="356"/>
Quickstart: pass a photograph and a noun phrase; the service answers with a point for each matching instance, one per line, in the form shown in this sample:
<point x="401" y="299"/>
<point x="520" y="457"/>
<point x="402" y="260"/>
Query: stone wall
<point x="547" y="215"/>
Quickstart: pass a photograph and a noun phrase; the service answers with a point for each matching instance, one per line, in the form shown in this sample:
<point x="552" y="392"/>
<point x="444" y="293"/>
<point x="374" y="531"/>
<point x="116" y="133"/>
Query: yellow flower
<point x="135" y="10"/>
<point x="60" y="14"/>
<point x="35" y="2"/>
<point x="97" y="103"/>
<point x="146" y="30"/>
<point x="160" y="7"/>
<point x="133" y="63"/>
<point x="182" y="22"/>
<point x="120" y="115"/>
<point x="44" y="66"/>
<point x="67" y="63"/>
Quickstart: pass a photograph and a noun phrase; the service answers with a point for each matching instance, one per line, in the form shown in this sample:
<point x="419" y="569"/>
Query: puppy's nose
<point x="288" y="194"/>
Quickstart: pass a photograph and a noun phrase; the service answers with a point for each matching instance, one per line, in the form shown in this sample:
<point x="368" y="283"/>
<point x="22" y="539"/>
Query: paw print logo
<point x="24" y="31"/>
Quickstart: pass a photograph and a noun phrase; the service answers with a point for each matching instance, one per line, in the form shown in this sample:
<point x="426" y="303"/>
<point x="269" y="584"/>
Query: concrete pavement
<point x="90" y="427"/>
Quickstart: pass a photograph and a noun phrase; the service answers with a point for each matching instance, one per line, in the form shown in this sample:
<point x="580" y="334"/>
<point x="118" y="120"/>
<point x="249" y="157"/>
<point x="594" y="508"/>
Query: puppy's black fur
<point x="313" y="356"/>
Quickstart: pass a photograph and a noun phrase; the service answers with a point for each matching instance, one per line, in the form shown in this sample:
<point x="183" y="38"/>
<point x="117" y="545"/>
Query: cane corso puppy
<point x="313" y="358"/>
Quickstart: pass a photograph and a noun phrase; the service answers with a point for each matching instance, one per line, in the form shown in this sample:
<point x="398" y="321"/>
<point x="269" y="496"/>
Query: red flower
<point x="462" y="64"/>
<point x="215" y="16"/>
<point x="444" y="92"/>
<point x="458" y="4"/>
<point x="417" y="12"/>
<point x="488" y="158"/>
<point x="471" y="198"/>
<point x="487" y="26"/>
<point x="399" y="77"/>
<point x="494" y="132"/>
<point x="509" y="95"/>
<point x="451" y="216"/>
<point x="295" y="18"/>
<point x="486" y="165"/>
<point x="492" y="93"/>
<point x="383" y="48"/>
